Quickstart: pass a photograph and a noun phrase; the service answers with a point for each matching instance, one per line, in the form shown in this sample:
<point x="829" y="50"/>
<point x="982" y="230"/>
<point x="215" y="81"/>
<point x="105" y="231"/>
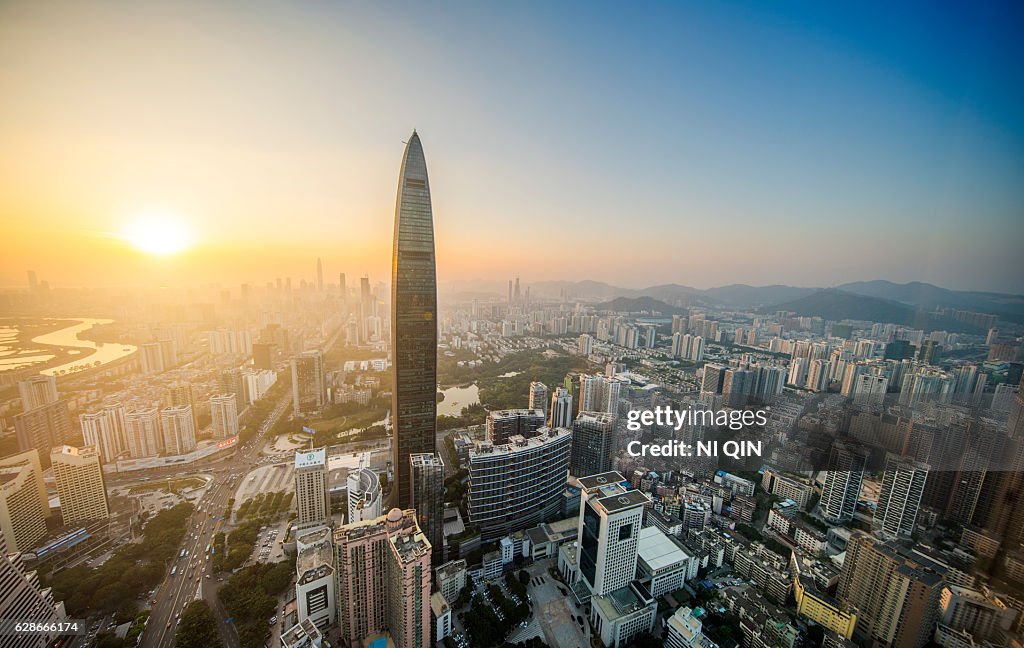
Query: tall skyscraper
<point x="105" y="430"/>
<point x="80" y="485"/>
<point x="900" y="497"/>
<point x="539" y="397"/>
<point x="593" y="439"/>
<point x="319" y="275"/>
<point x="224" y="415"/>
<point x="24" y="504"/>
<point x="309" y="383"/>
<point x="599" y="394"/>
<point x="895" y="596"/>
<point x="413" y="319"/>
<point x="36" y="391"/>
<point x="384" y="581"/>
<point x="311" y="498"/>
<point x="1015" y="421"/>
<point x="561" y="408"/>
<point x="427" y="486"/>
<point x="843" y="481"/>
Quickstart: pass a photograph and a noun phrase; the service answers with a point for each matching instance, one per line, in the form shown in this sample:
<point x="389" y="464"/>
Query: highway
<point x="193" y="572"/>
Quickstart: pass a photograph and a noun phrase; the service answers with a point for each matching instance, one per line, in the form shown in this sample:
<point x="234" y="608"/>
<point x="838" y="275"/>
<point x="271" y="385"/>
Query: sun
<point x="157" y="234"/>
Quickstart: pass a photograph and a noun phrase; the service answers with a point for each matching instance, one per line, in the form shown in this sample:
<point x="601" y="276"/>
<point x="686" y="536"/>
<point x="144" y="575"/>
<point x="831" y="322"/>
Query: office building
<point x="224" y="415"/>
<point x="143" y="436"/>
<point x="311" y="498"/>
<point x="24" y="505"/>
<point x="413" y="319"/>
<point x="561" y="412"/>
<point x="309" y="384"/>
<point x="315" y="579"/>
<point x="106" y="430"/>
<point x="80" y="484"/>
<point x="593" y="440"/>
<point x="607" y="549"/>
<point x="383" y="582"/>
<point x="519" y="484"/>
<point x="36" y="391"/>
<point x="900" y="497"/>
<point x="43" y="427"/>
<point x="896" y="597"/>
<point x="843" y="481"/>
<point x="179" y="429"/>
<point x="539" y="399"/>
<point x="364" y="496"/>
<point x="426" y="481"/>
<point x="504" y="424"/>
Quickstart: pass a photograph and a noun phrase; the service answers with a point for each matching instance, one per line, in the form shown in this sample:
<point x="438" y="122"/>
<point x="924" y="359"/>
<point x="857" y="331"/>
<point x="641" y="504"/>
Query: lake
<point x="455" y="398"/>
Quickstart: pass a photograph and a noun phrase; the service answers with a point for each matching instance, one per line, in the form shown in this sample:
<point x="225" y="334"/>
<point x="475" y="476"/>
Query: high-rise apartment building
<point x="900" y="498"/>
<point x="593" y="440"/>
<point x="36" y="391"/>
<point x="80" y="484"/>
<point x="309" y="383"/>
<point x="106" y="430"/>
<point x="561" y="412"/>
<point x="413" y="318"/>
<point x="843" y="481"/>
<point x="43" y="427"/>
<point x="311" y="498"/>
<point x="504" y="424"/>
<point x="599" y="394"/>
<point x="896" y="597"/>
<point x="24" y="505"/>
<point x="314" y="579"/>
<point x="384" y="580"/>
<point x="142" y="432"/>
<point x="178" y="426"/>
<point x="427" y="498"/>
<point x="519" y="484"/>
<point x="539" y="399"/>
<point x="224" y="414"/>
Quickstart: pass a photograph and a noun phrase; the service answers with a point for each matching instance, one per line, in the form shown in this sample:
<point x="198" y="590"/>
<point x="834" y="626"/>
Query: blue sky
<point x="705" y="144"/>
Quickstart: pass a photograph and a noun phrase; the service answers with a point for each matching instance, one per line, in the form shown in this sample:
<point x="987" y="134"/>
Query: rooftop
<point x="623" y="501"/>
<point x="311" y="459"/>
<point x="657" y="550"/>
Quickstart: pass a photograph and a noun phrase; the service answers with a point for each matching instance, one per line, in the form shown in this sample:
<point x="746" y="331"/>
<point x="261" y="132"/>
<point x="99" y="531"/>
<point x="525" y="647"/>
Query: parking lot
<point x="558" y="618"/>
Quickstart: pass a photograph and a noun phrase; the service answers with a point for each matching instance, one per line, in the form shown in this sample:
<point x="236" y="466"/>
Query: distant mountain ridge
<point x="914" y="295"/>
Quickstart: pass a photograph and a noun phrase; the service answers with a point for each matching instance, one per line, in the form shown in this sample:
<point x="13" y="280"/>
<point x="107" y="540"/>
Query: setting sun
<point x="158" y="234"/>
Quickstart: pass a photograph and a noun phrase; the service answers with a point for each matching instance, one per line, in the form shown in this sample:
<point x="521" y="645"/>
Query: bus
<point x="174" y="570"/>
<point x="183" y="552"/>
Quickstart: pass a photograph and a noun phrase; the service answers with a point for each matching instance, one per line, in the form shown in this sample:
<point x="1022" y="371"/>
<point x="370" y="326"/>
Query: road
<point x="193" y="577"/>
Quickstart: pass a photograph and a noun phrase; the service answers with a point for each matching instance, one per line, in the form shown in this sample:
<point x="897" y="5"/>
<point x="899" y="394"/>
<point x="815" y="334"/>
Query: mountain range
<point x="885" y="300"/>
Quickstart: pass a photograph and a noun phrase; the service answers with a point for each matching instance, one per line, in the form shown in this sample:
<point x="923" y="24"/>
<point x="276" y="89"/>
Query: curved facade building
<point x="364" y="499"/>
<point x="519" y="484"/>
<point x="413" y="319"/>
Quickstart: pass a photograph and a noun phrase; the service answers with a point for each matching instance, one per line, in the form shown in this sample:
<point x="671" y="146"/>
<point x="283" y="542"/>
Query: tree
<point x="197" y="628"/>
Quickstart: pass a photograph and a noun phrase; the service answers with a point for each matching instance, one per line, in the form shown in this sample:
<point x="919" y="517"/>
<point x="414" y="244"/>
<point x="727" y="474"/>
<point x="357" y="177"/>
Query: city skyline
<point x="813" y="149"/>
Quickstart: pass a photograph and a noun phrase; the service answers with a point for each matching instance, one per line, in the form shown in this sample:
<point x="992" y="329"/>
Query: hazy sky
<point x="703" y="144"/>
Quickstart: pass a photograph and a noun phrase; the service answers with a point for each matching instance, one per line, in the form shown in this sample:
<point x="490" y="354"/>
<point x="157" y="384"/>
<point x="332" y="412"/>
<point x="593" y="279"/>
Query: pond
<point x="455" y="398"/>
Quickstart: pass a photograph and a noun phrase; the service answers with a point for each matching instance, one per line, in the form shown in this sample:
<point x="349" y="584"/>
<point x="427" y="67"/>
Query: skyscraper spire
<point x="413" y="319"/>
